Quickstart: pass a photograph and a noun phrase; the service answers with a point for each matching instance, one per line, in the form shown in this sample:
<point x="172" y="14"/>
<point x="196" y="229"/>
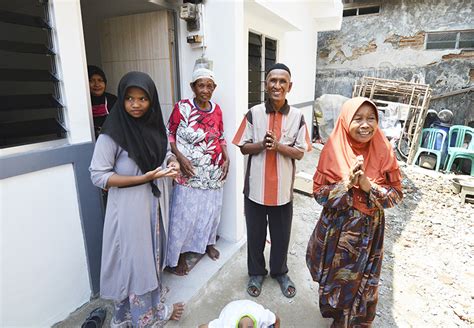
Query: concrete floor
<point x="211" y="285"/>
<point x="230" y="282"/>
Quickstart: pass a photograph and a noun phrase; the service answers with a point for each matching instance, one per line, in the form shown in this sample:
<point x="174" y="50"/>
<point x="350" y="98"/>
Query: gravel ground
<point x="427" y="274"/>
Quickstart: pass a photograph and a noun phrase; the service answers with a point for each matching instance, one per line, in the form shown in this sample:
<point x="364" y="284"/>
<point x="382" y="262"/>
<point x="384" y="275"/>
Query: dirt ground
<point x="427" y="274"/>
<point x="428" y="277"/>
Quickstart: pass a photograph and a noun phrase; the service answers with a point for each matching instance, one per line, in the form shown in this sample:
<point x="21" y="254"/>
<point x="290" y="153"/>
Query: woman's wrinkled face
<point x="96" y="85"/>
<point x="136" y="102"/>
<point x="203" y="89"/>
<point x="364" y="123"/>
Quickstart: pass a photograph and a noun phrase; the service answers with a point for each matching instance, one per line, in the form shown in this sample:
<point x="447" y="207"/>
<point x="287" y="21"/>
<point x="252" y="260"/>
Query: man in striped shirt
<point x="273" y="134"/>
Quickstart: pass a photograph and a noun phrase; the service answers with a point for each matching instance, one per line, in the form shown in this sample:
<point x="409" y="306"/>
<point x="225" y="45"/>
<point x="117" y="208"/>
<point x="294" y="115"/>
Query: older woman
<point x="102" y="102"/>
<point x="196" y="136"/>
<point x="357" y="177"/>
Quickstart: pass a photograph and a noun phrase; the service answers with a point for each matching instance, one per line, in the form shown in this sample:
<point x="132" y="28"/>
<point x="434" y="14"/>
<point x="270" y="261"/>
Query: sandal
<point x="95" y="319"/>
<point x="285" y="284"/>
<point x="254" y="287"/>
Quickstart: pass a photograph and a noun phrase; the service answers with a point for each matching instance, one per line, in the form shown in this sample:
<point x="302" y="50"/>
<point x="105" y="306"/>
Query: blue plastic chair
<point x="457" y="148"/>
<point x="429" y="143"/>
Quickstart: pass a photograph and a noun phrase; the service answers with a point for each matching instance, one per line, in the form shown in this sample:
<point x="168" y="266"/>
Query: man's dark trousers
<point x="279" y="221"/>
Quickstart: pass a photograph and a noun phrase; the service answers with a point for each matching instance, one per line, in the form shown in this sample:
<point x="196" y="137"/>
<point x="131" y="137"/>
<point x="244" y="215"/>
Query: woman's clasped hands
<point x="357" y="177"/>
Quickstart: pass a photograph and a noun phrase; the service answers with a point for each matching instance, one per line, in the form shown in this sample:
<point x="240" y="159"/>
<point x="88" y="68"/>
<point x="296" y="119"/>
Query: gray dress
<point x="135" y="221"/>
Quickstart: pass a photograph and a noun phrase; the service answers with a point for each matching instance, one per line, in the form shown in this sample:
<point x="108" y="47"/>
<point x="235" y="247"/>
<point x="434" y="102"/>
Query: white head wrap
<point x="202" y="72"/>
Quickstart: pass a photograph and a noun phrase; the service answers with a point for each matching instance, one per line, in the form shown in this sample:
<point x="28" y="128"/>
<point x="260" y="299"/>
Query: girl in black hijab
<point x="102" y="102"/>
<point x="131" y="160"/>
<point x="143" y="137"/>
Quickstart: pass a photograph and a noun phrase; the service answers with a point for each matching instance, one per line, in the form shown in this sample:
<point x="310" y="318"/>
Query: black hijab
<point x="95" y="70"/>
<point x="143" y="138"/>
<point x="99" y="100"/>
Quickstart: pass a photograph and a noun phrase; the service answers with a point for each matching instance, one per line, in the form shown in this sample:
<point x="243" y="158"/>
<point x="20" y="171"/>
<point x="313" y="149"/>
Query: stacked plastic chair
<point x="457" y="147"/>
<point x="429" y="144"/>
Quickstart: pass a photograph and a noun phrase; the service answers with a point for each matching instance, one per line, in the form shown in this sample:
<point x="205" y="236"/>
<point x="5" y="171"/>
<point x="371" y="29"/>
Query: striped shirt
<point x="269" y="175"/>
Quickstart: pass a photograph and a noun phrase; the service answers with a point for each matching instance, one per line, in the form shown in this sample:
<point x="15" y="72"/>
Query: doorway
<point x="122" y="36"/>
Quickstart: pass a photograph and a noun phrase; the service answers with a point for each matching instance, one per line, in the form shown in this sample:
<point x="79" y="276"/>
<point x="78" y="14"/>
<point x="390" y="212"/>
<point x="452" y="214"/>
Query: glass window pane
<point x="349" y="12"/>
<point x="448" y="36"/>
<point x="369" y="10"/>
<point x="466" y="44"/>
<point x="465" y="36"/>
<point x="441" y="45"/>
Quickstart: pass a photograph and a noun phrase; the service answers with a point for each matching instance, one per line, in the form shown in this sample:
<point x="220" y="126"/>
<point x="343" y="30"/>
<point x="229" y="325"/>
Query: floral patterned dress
<point x="197" y="201"/>
<point x="345" y="251"/>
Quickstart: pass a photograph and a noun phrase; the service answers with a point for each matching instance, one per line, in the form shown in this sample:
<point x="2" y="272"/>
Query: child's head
<point x="246" y="322"/>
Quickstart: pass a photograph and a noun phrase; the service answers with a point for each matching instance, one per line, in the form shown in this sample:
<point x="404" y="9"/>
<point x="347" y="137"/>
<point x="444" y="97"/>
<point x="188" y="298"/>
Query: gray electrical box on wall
<point x="192" y="13"/>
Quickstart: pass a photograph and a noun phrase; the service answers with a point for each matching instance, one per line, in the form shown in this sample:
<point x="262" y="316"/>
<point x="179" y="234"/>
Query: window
<point x="30" y="104"/>
<point x="360" y="7"/>
<point x="450" y="40"/>
<point x="262" y="54"/>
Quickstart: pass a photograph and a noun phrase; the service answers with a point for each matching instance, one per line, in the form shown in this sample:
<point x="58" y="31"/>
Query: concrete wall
<point x="391" y="45"/>
<point x="44" y="273"/>
<point x="294" y="26"/>
<point x="44" y="269"/>
<point x="226" y="49"/>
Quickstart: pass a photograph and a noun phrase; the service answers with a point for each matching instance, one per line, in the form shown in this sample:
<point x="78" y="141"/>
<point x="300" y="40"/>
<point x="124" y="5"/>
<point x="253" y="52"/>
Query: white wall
<point x="72" y="64"/>
<point x="44" y="273"/>
<point x="224" y="38"/>
<point x="226" y="28"/>
<point x="296" y="41"/>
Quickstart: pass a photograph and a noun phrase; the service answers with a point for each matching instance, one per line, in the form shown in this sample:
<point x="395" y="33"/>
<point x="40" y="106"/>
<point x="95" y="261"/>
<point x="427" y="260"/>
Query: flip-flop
<point x="285" y="283"/>
<point x="95" y="319"/>
<point x="254" y="286"/>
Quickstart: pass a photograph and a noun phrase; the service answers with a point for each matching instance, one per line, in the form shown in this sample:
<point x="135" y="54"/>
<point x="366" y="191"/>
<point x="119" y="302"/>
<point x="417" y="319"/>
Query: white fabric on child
<point x="234" y="311"/>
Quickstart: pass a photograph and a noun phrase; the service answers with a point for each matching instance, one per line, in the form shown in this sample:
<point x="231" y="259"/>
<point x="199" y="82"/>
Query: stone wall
<point x="391" y="45"/>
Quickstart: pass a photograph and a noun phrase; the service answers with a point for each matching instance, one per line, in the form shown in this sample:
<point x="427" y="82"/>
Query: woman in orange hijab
<point x="357" y="177"/>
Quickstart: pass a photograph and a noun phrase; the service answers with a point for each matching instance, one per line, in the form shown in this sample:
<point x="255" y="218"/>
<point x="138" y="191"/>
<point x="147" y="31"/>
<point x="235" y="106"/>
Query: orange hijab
<point x="340" y="152"/>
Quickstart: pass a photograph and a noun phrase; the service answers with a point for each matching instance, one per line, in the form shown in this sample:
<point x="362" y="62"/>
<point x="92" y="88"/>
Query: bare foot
<point x="212" y="252"/>
<point x="178" y="309"/>
<point x="182" y="268"/>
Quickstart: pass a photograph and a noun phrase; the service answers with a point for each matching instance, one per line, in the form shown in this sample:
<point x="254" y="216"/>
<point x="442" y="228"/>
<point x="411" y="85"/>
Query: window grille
<point x="30" y="103"/>
<point x="360" y="7"/>
<point x="450" y="40"/>
<point x="262" y="54"/>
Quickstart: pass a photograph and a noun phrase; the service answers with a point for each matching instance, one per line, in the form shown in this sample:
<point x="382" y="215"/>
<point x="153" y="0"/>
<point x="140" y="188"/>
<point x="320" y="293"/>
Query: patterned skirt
<point x="149" y="309"/>
<point x="194" y="218"/>
<point x="344" y="256"/>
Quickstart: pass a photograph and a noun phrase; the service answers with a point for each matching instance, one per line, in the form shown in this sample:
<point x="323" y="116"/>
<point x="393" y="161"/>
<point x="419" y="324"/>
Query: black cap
<point x="278" y="66"/>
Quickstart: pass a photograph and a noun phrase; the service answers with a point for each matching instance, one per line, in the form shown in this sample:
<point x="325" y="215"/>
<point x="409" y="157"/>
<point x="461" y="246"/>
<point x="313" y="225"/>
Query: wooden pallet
<point x="416" y="95"/>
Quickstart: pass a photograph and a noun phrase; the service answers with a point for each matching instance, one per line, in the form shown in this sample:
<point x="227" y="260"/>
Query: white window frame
<point x="360" y="5"/>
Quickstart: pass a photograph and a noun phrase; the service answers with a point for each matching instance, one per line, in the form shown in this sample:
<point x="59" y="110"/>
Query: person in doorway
<point x="244" y="314"/>
<point x="196" y="136"/>
<point x="132" y="160"/>
<point x="274" y="135"/>
<point x="356" y="178"/>
<point x="102" y="102"/>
